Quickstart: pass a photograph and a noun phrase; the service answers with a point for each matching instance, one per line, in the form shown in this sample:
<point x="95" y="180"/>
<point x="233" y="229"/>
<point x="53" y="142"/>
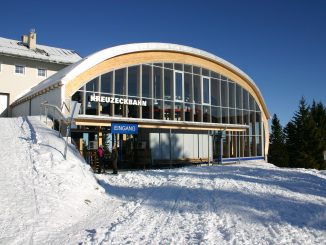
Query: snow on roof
<point x="70" y="72"/>
<point x="44" y="53"/>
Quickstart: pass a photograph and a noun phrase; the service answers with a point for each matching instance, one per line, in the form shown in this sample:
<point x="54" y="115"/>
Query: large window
<point x="179" y="92"/>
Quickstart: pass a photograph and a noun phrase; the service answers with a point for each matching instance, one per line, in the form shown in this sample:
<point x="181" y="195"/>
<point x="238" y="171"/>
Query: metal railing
<point x="55" y="113"/>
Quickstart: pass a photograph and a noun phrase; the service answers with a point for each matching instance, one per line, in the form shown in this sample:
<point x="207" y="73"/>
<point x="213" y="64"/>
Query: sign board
<point x="124" y="128"/>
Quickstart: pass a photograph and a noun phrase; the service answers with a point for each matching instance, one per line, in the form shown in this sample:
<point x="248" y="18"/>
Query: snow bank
<point x="41" y="193"/>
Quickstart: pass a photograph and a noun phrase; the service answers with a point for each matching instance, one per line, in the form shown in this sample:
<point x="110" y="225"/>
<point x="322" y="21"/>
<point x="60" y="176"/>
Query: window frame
<point x="23" y="67"/>
<point x="38" y="72"/>
<point x="175" y="86"/>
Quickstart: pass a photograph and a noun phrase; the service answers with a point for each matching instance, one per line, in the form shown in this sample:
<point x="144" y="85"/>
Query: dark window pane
<point x="258" y="123"/>
<point x="157" y="82"/>
<point x="158" y="113"/>
<point x="168" y="84"/>
<point x="257" y="106"/>
<point x="167" y="110"/>
<point x="168" y="65"/>
<point x="197" y="113"/>
<point x="178" y="112"/>
<point x="252" y="123"/>
<point x="239" y="117"/>
<point x="224" y="78"/>
<point x="188" y="112"/>
<point x="232" y="116"/>
<point x="239" y="99"/>
<point x="224" y="94"/>
<point x="120" y="78"/>
<point x="146" y="81"/>
<point x="205" y="72"/>
<point x="106" y="109"/>
<point x="206" y="90"/>
<point x="197" y="89"/>
<point x="133" y="80"/>
<point x="79" y="97"/>
<point x="106" y="82"/>
<point x="215" y="75"/>
<point x="231" y="95"/>
<point x="133" y="111"/>
<point x="147" y="110"/>
<point x="215" y="92"/>
<point x="252" y="102"/>
<point x="225" y="115"/>
<point x="178" y="86"/>
<point x="206" y="114"/>
<point x="91" y="106"/>
<point x="92" y="85"/>
<point x="178" y="67"/>
<point x="188" y="87"/>
<point x="196" y="70"/>
<point x="245" y="97"/>
<point x="158" y="64"/>
<point x="188" y="68"/>
<point x="118" y="108"/>
<point x="216" y="114"/>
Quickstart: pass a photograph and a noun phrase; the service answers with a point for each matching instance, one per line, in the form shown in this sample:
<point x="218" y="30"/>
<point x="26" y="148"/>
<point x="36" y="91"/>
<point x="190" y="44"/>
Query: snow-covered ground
<point x="45" y="199"/>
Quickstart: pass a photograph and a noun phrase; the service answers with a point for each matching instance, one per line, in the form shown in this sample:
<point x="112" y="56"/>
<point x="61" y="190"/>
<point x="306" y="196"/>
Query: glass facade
<point x="177" y="92"/>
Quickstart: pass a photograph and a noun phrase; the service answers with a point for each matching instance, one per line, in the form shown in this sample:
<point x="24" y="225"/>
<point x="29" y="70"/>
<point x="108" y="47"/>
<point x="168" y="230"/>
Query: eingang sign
<point x="124" y="128"/>
<point x="113" y="100"/>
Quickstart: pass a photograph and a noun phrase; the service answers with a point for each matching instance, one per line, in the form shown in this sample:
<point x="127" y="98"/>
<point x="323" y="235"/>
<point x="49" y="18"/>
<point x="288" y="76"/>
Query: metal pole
<point x="208" y="147"/>
<point x="170" y="144"/>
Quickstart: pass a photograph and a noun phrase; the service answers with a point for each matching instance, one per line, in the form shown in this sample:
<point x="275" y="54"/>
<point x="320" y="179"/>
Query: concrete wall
<point x="16" y="84"/>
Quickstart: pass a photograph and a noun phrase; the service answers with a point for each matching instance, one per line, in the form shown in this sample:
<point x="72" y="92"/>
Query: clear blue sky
<point x="280" y="44"/>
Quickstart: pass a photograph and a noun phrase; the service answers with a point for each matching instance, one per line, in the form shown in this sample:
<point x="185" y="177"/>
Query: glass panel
<point x="216" y="114"/>
<point x="196" y="70"/>
<point x="168" y="84"/>
<point x="239" y="99"/>
<point x="215" y="75"/>
<point x="224" y="94"/>
<point x="226" y="143"/>
<point x="188" y="68"/>
<point x="224" y="78"/>
<point x="178" y="67"/>
<point x="259" y="146"/>
<point x="232" y="116"/>
<point x="120" y="78"/>
<point x="206" y="114"/>
<point x="197" y="89"/>
<point x="188" y="87"/>
<point x="158" y="113"/>
<point x="246" y="117"/>
<point x="106" y="82"/>
<point x="178" y="86"/>
<point x="206" y="94"/>
<point x="245" y="97"/>
<point x="231" y="95"/>
<point x="253" y="150"/>
<point x="106" y="109"/>
<point x="133" y="80"/>
<point x="118" y="108"/>
<point x="258" y="123"/>
<point x="197" y="113"/>
<point x="246" y="146"/>
<point x="147" y="110"/>
<point x="239" y="117"/>
<point x="168" y="110"/>
<point x="188" y="112"/>
<point x="215" y="92"/>
<point x="252" y="103"/>
<point x="168" y="65"/>
<point x="225" y="115"/>
<point x="92" y="86"/>
<point x="133" y="111"/>
<point x="79" y="97"/>
<point x="205" y="72"/>
<point x="157" y="83"/>
<point x="252" y="122"/>
<point x="257" y="107"/>
<point x="91" y="106"/>
<point x="178" y="112"/>
<point x="233" y="144"/>
<point x="146" y="81"/>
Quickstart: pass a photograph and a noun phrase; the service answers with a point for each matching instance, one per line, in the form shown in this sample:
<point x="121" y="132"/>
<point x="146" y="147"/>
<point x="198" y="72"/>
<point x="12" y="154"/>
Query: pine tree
<point x="277" y="150"/>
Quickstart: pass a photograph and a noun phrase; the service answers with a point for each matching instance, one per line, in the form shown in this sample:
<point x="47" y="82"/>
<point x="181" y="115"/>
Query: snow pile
<point x="41" y="193"/>
<point x="48" y="200"/>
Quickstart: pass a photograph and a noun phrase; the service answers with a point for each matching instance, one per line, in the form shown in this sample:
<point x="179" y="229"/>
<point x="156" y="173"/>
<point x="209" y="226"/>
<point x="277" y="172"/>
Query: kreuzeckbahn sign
<point x="124" y="128"/>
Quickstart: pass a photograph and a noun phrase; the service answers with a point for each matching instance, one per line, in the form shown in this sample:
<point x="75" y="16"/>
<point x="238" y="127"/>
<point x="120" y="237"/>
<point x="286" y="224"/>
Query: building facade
<point x="187" y="105"/>
<point x="24" y="64"/>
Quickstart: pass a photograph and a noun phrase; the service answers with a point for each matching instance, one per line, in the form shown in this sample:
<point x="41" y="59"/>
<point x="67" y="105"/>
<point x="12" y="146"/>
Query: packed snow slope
<point x="48" y="200"/>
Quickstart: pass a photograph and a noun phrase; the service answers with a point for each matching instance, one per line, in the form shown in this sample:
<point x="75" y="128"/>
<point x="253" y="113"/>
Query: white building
<point x="24" y="64"/>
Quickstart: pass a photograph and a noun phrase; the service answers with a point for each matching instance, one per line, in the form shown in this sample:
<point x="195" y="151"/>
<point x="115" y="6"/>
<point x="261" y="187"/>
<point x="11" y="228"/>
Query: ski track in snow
<point x="48" y="200"/>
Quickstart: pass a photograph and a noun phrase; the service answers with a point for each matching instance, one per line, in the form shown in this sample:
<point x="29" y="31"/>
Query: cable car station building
<point x="159" y="103"/>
